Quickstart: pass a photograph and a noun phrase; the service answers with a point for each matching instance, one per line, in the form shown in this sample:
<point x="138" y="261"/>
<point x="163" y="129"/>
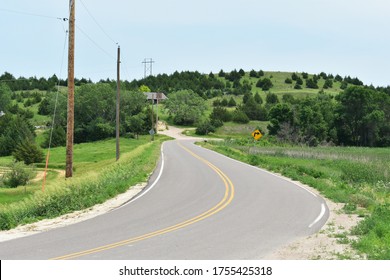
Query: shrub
<point x="297" y="86"/>
<point x="264" y="84"/>
<point x="224" y="102"/>
<point x="232" y="102"/>
<point x="311" y="83"/>
<point x="220" y="113"/>
<point x="205" y="128"/>
<point x="18" y="175"/>
<point x="328" y="84"/>
<point x="239" y="117"/>
<point x="253" y="74"/>
<point x="216" y="102"/>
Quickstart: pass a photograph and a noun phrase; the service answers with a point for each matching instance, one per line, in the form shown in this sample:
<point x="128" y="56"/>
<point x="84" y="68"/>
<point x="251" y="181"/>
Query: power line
<point x="96" y="44"/>
<point x="31" y="14"/>
<point x="65" y="30"/>
<point x="54" y="116"/>
<point x="97" y="23"/>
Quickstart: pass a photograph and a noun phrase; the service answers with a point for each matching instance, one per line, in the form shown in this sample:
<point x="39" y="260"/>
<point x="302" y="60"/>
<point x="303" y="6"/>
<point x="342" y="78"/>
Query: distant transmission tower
<point x="148" y="67"/>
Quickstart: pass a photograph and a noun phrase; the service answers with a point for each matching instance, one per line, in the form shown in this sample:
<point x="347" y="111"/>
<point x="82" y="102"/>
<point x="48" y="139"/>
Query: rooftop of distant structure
<point x="155" y="95"/>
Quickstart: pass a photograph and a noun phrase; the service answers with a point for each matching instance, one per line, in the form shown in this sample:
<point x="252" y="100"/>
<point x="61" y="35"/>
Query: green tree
<point x="220" y="114"/>
<point x="224" y="102"/>
<point x="16" y="130"/>
<point x="254" y="110"/>
<point x="258" y="98"/>
<point x="95" y="112"/>
<point x="221" y="73"/>
<point x="144" y="88"/>
<point x="185" y="106"/>
<point x="58" y="138"/>
<point x="363" y="117"/>
<point x="265" y="84"/>
<point x="328" y="84"/>
<point x="253" y="74"/>
<point x="271" y="99"/>
<point x="5" y="97"/>
<point x="137" y="124"/>
<point x="338" y="78"/>
<point x="232" y="102"/>
<point x="239" y="116"/>
<point x="279" y="114"/>
<point x="44" y="107"/>
<point x="311" y="83"/>
<point x="311" y="123"/>
<point x="288" y="98"/>
<point x="205" y="128"/>
<point x="28" y="152"/>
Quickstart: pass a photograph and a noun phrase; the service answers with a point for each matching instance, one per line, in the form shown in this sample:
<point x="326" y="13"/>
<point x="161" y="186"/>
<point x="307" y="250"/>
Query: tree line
<point x="34" y="83"/>
<point x="94" y="119"/>
<point x="358" y="116"/>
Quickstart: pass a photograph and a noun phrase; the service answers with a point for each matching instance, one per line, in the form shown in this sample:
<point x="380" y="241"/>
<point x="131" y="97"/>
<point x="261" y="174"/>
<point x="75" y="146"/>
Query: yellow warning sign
<point x="257" y="134"/>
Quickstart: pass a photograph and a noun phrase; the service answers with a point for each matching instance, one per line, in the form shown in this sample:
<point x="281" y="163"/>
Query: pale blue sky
<point x="346" y="37"/>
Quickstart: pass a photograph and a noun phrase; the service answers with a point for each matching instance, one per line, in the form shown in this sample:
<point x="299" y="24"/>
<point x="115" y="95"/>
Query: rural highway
<point x="198" y="205"/>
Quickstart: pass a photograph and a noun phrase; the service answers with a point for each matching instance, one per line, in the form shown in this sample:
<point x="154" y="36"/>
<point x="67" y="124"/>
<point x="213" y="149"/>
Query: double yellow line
<point x="226" y="200"/>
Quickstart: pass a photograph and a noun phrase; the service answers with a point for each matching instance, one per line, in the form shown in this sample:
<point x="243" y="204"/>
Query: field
<point x="97" y="177"/>
<point x="280" y="87"/>
<point x="88" y="158"/>
<point x="357" y="177"/>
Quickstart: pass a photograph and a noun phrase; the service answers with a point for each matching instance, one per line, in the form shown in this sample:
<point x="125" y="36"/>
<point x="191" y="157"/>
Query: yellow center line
<point x="226" y="200"/>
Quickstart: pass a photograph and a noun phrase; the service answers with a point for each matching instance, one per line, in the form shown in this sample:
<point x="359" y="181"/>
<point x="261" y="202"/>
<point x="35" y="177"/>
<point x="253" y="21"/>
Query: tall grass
<point x="84" y="191"/>
<point x="358" y="177"/>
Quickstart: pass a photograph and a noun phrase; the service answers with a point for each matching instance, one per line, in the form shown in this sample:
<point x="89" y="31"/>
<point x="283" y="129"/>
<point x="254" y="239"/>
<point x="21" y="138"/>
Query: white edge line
<point x="322" y="213"/>
<point x="323" y="208"/>
<point x="263" y="170"/>
<point x="151" y="186"/>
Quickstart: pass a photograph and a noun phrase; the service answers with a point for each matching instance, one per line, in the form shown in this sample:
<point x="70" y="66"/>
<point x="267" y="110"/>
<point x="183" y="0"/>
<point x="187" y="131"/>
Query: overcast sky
<point x="346" y="37"/>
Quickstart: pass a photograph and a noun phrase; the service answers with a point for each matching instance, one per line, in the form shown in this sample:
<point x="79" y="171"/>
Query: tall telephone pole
<point x="70" y="120"/>
<point x="117" y="103"/>
<point x="148" y="67"/>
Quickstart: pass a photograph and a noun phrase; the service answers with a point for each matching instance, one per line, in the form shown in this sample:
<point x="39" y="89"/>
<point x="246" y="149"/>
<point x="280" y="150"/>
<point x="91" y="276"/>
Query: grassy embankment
<point x="97" y="177"/>
<point x="358" y="177"/>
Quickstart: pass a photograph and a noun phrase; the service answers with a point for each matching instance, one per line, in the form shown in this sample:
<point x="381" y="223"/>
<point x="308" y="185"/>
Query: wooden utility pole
<point x="118" y="103"/>
<point x="152" y="132"/>
<point x="70" y="120"/>
<point x="158" y="96"/>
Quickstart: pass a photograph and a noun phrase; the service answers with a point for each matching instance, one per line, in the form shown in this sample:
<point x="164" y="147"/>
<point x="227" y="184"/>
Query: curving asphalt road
<point x="199" y="205"/>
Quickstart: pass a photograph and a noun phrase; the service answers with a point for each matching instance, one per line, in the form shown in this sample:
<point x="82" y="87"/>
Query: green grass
<point x="94" y="155"/>
<point x="14" y="195"/>
<point x="232" y="130"/>
<point x="358" y="177"/>
<point x="280" y="87"/>
<point x="97" y="178"/>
